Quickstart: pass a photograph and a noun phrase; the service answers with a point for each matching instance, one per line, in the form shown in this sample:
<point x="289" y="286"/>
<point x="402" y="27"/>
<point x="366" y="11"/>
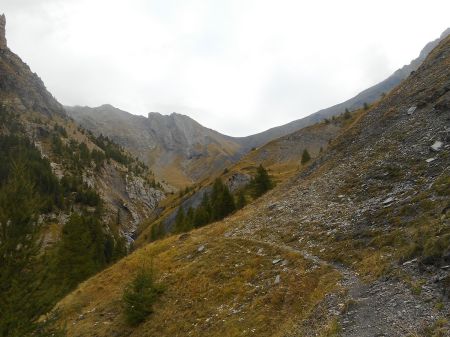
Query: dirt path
<point x="383" y="308"/>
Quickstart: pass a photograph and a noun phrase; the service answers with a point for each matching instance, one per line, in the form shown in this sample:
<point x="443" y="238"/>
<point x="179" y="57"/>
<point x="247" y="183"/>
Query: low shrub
<point x="139" y="296"/>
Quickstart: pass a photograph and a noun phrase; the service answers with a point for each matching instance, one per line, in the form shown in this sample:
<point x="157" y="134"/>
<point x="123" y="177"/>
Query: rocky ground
<point x="401" y="149"/>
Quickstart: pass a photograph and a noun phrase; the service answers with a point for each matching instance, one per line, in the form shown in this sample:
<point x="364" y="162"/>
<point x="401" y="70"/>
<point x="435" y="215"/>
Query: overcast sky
<point x="237" y="66"/>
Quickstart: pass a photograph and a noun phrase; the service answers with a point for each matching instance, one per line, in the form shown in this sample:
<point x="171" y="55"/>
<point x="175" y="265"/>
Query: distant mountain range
<point x="181" y="151"/>
<point x="177" y="148"/>
<point x="368" y="96"/>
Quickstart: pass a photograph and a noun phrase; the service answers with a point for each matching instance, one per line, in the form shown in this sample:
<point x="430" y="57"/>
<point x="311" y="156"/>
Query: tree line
<point x="216" y="204"/>
<point x="32" y="278"/>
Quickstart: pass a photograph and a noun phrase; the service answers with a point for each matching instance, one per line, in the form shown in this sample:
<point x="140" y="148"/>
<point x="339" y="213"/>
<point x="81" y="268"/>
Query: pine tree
<point x="202" y="214"/>
<point x="241" y="201"/>
<point x="347" y="114"/>
<point x="261" y="183"/>
<point x="228" y="202"/>
<point x="180" y="220"/>
<point x="305" y="157"/>
<point x="82" y="249"/>
<point x="189" y="220"/>
<point x="222" y="202"/>
<point x="201" y="217"/>
<point x="19" y="246"/>
<point x="140" y="295"/>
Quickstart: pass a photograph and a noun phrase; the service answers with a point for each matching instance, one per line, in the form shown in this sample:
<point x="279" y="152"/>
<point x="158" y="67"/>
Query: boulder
<point x="436" y="145"/>
<point x="277" y="279"/>
<point x="411" y="110"/>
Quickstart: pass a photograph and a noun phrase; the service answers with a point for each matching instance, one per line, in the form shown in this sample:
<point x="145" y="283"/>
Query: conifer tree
<point x="180" y="220"/>
<point x="347" y="114"/>
<point x="241" y="201"/>
<point x="222" y="202"/>
<point x="305" y="157"/>
<point x="261" y="183"/>
<point x="201" y="216"/>
<point x="189" y="220"/>
<point x="140" y="295"/>
<point x="82" y="249"/>
<point x="19" y="246"/>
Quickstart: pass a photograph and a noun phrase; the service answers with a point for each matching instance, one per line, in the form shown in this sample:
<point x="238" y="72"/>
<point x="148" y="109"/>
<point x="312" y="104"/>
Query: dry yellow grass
<point x="228" y="289"/>
<point x="281" y="157"/>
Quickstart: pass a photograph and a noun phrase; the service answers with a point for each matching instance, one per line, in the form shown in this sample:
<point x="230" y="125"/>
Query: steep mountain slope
<point x="282" y="158"/>
<point x="69" y="201"/>
<point x="122" y="182"/>
<point x="368" y="96"/>
<point x="357" y="244"/>
<point x="183" y="152"/>
<point x="177" y="148"/>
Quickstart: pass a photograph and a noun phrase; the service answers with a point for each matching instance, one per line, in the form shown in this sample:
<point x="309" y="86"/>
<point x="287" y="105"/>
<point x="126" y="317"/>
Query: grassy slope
<point x="225" y="290"/>
<point x="281" y="157"/>
<point x="334" y="209"/>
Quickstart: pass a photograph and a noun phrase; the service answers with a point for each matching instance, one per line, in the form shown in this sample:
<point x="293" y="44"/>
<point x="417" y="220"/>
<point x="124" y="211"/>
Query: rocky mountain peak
<point x="3" y="32"/>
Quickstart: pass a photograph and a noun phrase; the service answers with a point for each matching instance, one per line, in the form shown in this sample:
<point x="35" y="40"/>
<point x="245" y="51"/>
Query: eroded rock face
<point x="237" y="181"/>
<point x="137" y="189"/>
<point x="2" y="32"/>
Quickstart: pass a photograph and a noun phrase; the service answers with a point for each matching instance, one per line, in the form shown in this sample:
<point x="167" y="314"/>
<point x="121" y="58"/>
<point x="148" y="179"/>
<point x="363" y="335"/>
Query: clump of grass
<point x="140" y="295"/>
<point x="333" y="329"/>
<point x="435" y="247"/>
<point x="438" y="329"/>
<point x="416" y="287"/>
<point x="442" y="186"/>
<point x="439" y="306"/>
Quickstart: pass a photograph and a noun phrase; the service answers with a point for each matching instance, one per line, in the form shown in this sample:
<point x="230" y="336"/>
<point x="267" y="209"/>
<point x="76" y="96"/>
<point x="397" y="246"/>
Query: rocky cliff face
<point x="42" y="119"/>
<point x="3" y="32"/>
<point x="177" y="148"/>
<point x="139" y="190"/>
<point x="19" y="86"/>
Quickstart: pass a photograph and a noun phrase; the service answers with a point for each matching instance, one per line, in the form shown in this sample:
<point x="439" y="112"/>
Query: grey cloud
<point x="238" y="66"/>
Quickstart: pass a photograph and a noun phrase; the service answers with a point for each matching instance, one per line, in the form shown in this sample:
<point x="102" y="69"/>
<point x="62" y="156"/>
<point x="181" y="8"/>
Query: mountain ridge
<point x="176" y="147"/>
<point x="183" y="153"/>
<point x="368" y="96"/>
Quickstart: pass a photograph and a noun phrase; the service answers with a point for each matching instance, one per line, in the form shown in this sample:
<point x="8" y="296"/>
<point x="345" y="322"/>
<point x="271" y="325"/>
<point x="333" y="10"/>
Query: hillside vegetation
<point x="355" y="244"/>
<point x="281" y="158"/>
<point x="69" y="201"/>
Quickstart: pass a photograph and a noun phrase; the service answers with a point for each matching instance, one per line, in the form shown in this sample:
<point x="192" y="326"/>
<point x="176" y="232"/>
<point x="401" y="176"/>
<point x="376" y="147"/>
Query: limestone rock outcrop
<point x="2" y="32"/>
